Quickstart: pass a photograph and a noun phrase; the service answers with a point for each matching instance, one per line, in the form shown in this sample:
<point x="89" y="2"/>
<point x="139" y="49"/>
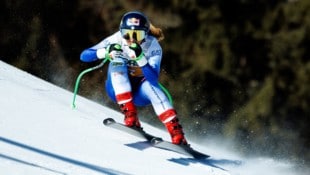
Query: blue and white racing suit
<point x="124" y="75"/>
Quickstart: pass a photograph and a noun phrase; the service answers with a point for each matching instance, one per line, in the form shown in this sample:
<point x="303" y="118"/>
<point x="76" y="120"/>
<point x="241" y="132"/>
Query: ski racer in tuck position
<point x="135" y="57"/>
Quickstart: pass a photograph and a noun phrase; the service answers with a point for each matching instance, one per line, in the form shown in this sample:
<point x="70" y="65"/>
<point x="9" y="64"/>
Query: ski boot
<point x="129" y="110"/>
<point x="174" y="128"/>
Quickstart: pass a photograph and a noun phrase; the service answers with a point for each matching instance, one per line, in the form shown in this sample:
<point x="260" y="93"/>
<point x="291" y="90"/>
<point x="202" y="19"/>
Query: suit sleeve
<point x="90" y="54"/>
<point x="152" y="69"/>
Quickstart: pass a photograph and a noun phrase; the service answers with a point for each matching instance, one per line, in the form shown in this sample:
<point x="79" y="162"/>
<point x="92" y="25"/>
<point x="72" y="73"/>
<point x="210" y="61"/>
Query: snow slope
<point x="41" y="134"/>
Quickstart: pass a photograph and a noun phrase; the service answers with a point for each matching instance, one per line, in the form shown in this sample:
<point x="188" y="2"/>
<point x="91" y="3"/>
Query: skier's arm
<point x="151" y="69"/>
<point x="99" y="50"/>
<point x="90" y="54"/>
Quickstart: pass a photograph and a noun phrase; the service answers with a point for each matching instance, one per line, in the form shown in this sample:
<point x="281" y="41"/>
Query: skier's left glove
<point x="136" y="54"/>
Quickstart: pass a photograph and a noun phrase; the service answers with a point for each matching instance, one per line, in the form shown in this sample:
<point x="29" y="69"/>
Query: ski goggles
<point x="136" y="35"/>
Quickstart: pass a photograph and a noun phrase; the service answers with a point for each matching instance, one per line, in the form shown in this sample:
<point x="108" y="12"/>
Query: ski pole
<point x="77" y="82"/>
<point x="166" y="92"/>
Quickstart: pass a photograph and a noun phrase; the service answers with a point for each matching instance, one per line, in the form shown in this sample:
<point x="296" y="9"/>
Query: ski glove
<point x="111" y="52"/>
<point x="136" y="54"/>
<point x="114" y="51"/>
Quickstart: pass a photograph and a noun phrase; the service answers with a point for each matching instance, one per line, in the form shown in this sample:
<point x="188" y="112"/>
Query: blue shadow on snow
<point x="208" y="161"/>
<point x="139" y="145"/>
<point x="187" y="161"/>
<point x="29" y="164"/>
<point x="59" y="157"/>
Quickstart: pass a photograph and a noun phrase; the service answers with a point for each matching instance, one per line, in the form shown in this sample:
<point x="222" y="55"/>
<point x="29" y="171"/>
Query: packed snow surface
<point x="40" y="134"/>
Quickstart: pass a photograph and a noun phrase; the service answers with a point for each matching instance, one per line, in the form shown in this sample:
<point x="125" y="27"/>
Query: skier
<point x="135" y="57"/>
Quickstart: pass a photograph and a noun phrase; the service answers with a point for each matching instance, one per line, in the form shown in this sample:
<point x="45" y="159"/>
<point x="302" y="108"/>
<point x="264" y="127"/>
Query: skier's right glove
<point x="111" y="52"/>
<point x="114" y="51"/>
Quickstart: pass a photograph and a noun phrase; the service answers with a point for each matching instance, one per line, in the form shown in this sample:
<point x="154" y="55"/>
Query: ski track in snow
<point x="40" y="134"/>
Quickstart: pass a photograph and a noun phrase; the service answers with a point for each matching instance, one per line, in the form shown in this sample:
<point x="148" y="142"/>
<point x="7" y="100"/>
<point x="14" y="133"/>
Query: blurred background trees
<point x="236" y="69"/>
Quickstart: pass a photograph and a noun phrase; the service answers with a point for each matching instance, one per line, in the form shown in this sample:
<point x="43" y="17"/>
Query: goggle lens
<point x="136" y="35"/>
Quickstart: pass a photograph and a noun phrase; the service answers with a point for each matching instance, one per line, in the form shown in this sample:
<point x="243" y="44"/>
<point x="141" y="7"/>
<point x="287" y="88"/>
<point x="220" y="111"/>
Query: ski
<point x="155" y="141"/>
<point x="139" y="132"/>
<point x="182" y="149"/>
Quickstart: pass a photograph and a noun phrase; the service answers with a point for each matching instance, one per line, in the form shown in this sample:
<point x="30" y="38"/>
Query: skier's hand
<point x="114" y="51"/>
<point x="136" y="54"/>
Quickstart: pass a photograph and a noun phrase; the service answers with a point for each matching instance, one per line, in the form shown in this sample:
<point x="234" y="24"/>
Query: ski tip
<point x="108" y="121"/>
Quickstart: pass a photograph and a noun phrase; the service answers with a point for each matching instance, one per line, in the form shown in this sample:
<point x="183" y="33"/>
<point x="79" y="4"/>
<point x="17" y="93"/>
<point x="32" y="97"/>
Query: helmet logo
<point x="133" y="22"/>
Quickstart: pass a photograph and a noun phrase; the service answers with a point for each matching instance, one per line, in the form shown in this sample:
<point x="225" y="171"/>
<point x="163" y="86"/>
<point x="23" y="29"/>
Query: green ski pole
<point x="77" y="82"/>
<point x="166" y="92"/>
